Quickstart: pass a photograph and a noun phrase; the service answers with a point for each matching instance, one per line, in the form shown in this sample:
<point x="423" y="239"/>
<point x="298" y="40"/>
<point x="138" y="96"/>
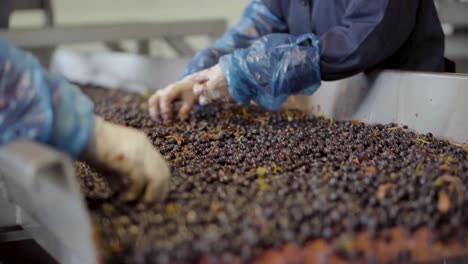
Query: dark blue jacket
<point x="362" y="35"/>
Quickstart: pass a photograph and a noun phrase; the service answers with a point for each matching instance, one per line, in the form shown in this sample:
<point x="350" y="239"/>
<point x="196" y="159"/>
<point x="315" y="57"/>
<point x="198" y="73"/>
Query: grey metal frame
<point x="40" y="184"/>
<point x="42" y="42"/>
<point x="9" y="6"/>
<point x="33" y="38"/>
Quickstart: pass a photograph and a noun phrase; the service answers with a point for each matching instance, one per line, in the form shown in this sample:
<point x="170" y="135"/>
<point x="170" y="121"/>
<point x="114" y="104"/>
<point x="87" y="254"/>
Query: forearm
<point x="39" y="106"/>
<point x="257" y="21"/>
<point x="272" y="69"/>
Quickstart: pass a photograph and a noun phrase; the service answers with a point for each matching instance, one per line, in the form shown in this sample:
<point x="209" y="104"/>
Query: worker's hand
<point x="205" y="86"/>
<point x="129" y="153"/>
<point x="162" y="104"/>
<point x="210" y="85"/>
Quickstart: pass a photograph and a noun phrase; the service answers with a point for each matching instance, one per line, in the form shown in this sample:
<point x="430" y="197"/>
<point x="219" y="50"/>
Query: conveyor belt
<point x="425" y="102"/>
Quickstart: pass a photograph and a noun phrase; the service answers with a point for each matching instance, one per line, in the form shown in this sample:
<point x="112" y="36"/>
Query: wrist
<point x="90" y="151"/>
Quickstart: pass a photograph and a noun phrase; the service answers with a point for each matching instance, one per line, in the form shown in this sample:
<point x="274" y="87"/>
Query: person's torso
<point x="320" y="16"/>
<point x="309" y="16"/>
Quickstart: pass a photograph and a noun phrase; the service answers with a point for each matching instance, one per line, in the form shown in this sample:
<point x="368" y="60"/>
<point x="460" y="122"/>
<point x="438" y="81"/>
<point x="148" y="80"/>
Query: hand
<point x="161" y="104"/>
<point x="129" y="153"/>
<point x="205" y="86"/>
<point x="210" y="85"/>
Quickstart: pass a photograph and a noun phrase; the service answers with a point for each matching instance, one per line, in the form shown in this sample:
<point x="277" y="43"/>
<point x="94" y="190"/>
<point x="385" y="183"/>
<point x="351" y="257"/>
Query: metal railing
<point x="43" y="41"/>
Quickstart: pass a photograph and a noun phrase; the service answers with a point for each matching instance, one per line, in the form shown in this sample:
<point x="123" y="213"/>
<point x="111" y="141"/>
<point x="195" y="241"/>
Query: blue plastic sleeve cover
<point x="40" y="106"/>
<point x="257" y="21"/>
<point x="273" y="68"/>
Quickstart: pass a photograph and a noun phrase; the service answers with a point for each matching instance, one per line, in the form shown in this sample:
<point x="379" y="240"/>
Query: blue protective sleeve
<point x="273" y="68"/>
<point x="37" y="105"/>
<point x="257" y="21"/>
